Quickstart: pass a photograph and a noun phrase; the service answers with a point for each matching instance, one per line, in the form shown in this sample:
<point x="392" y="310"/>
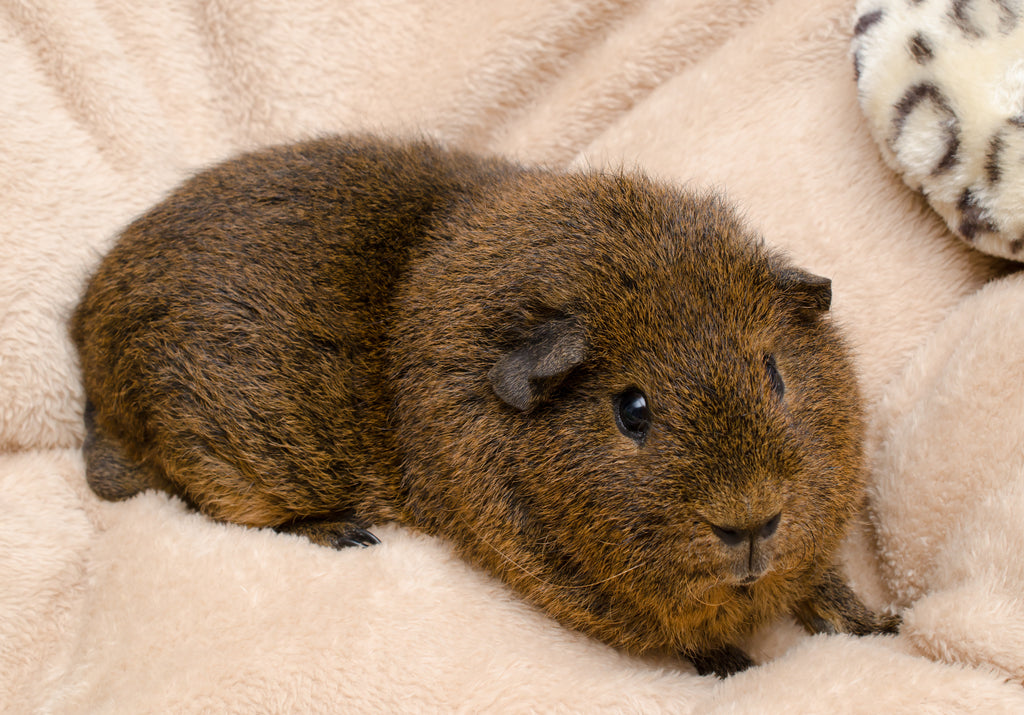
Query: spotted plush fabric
<point x="942" y="85"/>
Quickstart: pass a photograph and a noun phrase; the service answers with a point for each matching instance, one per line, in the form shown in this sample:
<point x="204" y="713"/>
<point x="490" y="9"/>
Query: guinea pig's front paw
<point x="333" y="533"/>
<point x="723" y="662"/>
<point x="834" y="608"/>
<point x="887" y="623"/>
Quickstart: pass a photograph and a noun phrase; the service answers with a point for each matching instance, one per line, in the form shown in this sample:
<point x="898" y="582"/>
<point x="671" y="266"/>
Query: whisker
<point x="532" y="574"/>
<point x="699" y="596"/>
<point x="809" y="546"/>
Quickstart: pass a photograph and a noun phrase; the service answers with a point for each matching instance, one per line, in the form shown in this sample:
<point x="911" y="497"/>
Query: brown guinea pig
<point x="602" y="389"/>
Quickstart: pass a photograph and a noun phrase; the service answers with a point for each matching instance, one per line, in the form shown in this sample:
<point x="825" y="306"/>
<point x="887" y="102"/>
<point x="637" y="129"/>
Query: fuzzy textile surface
<point x="942" y="87"/>
<point x="142" y="606"/>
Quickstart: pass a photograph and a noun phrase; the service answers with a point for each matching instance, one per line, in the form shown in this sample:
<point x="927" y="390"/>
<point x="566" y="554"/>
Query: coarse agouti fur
<point x="604" y="390"/>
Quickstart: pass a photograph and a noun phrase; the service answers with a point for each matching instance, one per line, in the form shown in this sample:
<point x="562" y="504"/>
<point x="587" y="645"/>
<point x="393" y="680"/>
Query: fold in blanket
<point x="144" y="606"/>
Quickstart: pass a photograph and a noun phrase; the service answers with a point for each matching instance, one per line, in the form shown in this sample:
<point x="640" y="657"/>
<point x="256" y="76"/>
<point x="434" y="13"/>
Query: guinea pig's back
<point x="233" y="337"/>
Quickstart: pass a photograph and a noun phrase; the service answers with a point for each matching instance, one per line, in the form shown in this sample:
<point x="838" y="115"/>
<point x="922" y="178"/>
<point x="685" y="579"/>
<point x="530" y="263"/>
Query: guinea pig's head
<point x="636" y="390"/>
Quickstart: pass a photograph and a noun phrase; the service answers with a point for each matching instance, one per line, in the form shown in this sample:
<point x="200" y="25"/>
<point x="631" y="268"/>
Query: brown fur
<point x="321" y="336"/>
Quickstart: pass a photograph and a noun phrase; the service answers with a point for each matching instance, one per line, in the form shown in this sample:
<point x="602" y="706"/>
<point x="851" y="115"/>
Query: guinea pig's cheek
<point x="795" y="549"/>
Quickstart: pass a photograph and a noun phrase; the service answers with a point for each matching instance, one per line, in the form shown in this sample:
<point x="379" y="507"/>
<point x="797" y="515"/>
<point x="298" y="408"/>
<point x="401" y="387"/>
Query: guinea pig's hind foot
<point x="723" y="662"/>
<point x="336" y="533"/>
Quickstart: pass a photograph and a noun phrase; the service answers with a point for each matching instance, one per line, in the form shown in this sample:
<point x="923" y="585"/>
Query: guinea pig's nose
<point x="734" y="536"/>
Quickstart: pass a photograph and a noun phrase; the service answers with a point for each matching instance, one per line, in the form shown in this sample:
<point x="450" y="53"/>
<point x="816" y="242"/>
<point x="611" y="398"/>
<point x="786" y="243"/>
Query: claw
<point x="355" y="536"/>
<point x="890" y="623"/>
<point x="723" y="662"/>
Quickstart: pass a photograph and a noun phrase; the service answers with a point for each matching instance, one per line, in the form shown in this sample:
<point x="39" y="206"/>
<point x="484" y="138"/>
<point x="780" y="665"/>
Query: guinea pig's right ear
<point x="807" y="292"/>
<point x="526" y="376"/>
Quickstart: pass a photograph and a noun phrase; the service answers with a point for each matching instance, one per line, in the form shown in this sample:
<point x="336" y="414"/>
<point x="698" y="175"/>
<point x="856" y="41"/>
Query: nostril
<point x="734" y="536"/>
<point x="729" y="536"/>
<point x="770" y="526"/>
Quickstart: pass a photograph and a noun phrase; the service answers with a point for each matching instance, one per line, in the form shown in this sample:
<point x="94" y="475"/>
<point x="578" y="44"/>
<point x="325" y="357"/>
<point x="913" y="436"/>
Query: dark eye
<point x="774" y="378"/>
<point x="632" y="414"/>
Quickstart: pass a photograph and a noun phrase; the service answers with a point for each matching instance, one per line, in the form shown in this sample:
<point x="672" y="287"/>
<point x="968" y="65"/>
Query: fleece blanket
<point x="143" y="606"/>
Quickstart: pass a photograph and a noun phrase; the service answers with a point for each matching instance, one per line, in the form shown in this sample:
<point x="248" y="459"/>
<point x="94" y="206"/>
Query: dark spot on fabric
<point x="959" y="13"/>
<point x="867" y="21"/>
<point x="928" y="92"/>
<point x="1008" y="17"/>
<point x="914" y="96"/>
<point x="921" y="49"/>
<point x="993" y="170"/>
<point x="972" y="219"/>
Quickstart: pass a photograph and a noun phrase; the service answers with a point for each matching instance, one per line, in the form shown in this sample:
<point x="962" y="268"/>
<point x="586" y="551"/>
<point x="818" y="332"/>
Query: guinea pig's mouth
<point x="746" y="582"/>
<point x="748" y="573"/>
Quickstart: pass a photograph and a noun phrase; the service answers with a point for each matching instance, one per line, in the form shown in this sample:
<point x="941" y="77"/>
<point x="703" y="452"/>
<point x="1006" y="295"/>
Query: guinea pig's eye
<point x="774" y="378"/>
<point x="632" y="414"/>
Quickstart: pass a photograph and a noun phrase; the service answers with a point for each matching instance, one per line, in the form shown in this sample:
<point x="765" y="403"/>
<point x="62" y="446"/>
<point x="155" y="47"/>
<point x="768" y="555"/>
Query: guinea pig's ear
<point x="806" y="292"/>
<point x="526" y="376"/>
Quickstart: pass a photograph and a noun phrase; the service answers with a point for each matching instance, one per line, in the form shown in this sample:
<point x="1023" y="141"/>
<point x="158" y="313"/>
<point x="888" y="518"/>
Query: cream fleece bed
<point x="142" y="606"/>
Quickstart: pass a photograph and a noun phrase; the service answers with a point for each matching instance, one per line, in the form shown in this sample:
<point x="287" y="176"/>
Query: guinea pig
<point x="604" y="390"/>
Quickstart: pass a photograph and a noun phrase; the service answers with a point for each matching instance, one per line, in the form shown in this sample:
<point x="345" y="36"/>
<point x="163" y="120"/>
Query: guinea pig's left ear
<point x="526" y="376"/>
<point x="806" y="291"/>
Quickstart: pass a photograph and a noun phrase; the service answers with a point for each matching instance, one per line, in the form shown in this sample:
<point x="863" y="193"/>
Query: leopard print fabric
<point x="942" y="85"/>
